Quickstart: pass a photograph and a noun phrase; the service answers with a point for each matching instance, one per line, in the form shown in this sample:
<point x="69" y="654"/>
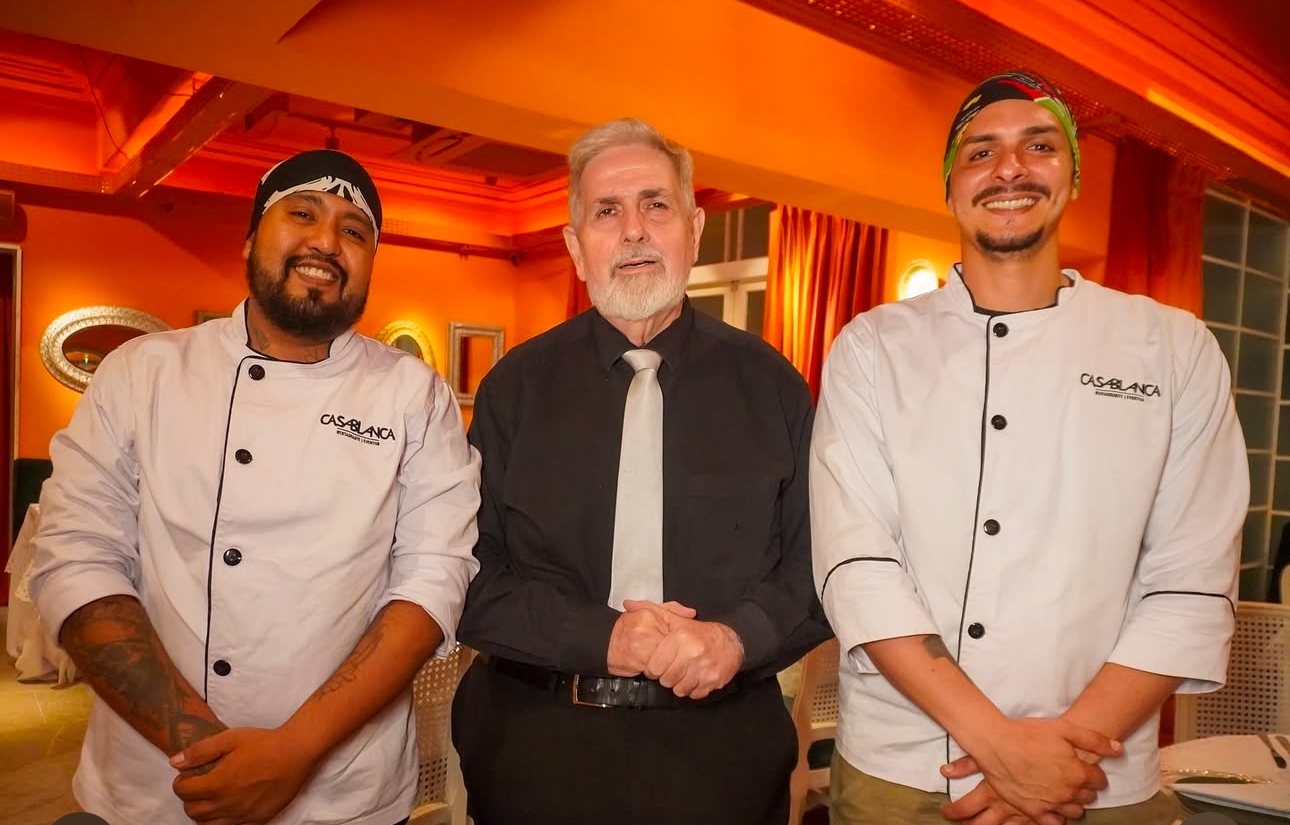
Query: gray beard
<point x="636" y="302"/>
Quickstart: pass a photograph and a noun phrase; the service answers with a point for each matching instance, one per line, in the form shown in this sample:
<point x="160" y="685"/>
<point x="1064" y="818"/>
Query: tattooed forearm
<point x="115" y="646"/>
<point x="348" y="670"/>
<point x="935" y="646"/>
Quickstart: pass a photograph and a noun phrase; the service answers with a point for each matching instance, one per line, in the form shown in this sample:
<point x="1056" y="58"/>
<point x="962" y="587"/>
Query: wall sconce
<point x="919" y="277"/>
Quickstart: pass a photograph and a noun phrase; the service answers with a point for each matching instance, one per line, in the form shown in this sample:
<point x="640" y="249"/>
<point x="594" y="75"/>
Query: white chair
<point x="815" y="715"/>
<point x="441" y="794"/>
<point x="1256" y="697"/>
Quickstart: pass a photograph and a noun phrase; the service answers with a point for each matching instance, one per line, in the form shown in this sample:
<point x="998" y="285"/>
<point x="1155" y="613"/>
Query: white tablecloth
<point x="38" y="657"/>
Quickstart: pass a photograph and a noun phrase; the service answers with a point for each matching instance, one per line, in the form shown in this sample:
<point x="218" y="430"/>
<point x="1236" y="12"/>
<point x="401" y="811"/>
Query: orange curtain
<point x="1157" y="216"/>
<point x="823" y="272"/>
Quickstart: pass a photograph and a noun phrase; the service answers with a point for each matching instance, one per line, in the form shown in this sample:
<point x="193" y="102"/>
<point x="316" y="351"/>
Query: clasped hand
<point x="665" y="642"/>
<point x="1040" y="770"/>
<point x="241" y="776"/>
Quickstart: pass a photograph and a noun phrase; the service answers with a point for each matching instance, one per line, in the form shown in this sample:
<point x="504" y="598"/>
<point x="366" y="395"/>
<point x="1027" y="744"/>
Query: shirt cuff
<point x="868" y="600"/>
<point x="756" y="632"/>
<point x="1184" y="635"/>
<point x="61" y="592"/>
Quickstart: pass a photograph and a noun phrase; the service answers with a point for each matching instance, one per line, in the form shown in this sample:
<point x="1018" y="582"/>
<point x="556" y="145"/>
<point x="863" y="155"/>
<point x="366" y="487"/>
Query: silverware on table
<point x="1276" y="757"/>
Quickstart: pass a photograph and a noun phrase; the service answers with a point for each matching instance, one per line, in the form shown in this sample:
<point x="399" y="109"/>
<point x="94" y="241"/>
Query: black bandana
<point x="319" y="170"/>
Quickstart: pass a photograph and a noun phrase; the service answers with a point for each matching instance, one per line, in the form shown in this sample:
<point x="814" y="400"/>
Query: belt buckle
<point x="573" y="690"/>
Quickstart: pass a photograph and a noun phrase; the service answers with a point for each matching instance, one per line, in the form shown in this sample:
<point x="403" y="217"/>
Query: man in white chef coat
<point x="256" y="532"/>
<point x="1026" y="497"/>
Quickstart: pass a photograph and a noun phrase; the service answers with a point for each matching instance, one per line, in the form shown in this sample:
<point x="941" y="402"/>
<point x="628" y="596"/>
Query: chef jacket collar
<point x="236" y="335"/>
<point x="961" y="296"/>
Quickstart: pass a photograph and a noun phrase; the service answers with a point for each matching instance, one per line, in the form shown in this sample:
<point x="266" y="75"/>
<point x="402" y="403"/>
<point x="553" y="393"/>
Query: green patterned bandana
<point x="1011" y="86"/>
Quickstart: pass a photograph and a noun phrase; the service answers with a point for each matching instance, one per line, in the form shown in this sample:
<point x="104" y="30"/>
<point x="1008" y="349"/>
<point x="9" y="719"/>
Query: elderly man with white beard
<point x="643" y="572"/>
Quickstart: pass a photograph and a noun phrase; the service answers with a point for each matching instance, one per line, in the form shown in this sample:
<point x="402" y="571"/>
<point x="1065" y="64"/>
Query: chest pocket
<point x="729" y="521"/>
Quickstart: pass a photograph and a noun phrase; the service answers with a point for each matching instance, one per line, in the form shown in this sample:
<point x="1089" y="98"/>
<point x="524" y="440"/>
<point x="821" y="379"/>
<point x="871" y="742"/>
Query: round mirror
<point x="77" y="341"/>
<point x="408" y="336"/>
<point x="408" y="344"/>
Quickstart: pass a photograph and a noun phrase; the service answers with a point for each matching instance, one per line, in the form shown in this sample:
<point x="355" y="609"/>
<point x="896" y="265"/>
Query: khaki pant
<point x="860" y="799"/>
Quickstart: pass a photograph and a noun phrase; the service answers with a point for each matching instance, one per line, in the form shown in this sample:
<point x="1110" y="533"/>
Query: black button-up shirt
<point x="736" y="526"/>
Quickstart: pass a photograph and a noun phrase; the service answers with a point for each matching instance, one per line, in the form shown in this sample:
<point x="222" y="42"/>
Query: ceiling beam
<point x="201" y="119"/>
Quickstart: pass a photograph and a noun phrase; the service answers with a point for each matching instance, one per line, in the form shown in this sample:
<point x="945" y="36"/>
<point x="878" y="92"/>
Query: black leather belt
<point x="605" y="691"/>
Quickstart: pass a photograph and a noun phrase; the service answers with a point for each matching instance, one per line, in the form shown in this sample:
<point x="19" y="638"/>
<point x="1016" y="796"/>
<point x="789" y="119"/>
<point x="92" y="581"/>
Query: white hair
<point x="628" y="131"/>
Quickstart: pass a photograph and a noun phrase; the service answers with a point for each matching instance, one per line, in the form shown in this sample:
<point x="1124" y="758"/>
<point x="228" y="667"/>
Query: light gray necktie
<point x="638" y="514"/>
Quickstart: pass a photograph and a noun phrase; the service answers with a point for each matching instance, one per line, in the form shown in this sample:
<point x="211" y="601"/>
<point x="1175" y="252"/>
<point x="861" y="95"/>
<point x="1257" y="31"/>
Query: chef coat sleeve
<point x="432" y="562"/>
<point x="860" y="567"/>
<point x="1181" y="616"/>
<point x="87" y="546"/>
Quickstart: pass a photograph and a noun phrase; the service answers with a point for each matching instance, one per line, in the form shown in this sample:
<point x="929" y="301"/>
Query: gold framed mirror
<point x="75" y="342"/>
<point x="473" y="349"/>
<point x="409" y="337"/>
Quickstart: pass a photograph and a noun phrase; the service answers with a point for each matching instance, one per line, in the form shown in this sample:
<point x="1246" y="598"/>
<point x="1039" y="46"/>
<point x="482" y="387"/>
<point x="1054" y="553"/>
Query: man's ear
<point x="575" y="250"/>
<point x="699" y="220"/>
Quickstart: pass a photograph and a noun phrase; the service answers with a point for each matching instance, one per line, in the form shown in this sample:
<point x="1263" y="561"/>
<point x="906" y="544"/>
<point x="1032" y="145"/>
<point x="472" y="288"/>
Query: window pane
<point x="1266" y="247"/>
<point x="756" y="312"/>
<point x="1254" y="541"/>
<point x="1222" y="293"/>
<point x="756" y="232"/>
<point x="712" y="244"/>
<point x="1258" y="364"/>
<point x="1227" y="343"/>
<point x="713" y="305"/>
<point x="1262" y="303"/>
<point x="1281" y="487"/>
<point x="1255" y="414"/>
<point x="1224" y="223"/>
<point x="1260" y="480"/>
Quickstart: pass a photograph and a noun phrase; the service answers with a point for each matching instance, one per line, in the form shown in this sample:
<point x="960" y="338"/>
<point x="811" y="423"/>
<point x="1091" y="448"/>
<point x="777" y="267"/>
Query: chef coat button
<point x="256" y="372"/>
<point x="976" y="630"/>
<point x="222" y="668"/>
<point x="232" y="557"/>
<point x="243" y="456"/>
<point x="998" y="422"/>
<point x="991" y="527"/>
<point x="1000" y="329"/>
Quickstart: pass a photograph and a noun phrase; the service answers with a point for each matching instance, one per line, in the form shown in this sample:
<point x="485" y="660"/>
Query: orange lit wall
<point x="180" y="253"/>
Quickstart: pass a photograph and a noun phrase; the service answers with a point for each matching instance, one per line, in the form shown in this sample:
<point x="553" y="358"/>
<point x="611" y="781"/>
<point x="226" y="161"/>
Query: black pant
<point x="531" y="757"/>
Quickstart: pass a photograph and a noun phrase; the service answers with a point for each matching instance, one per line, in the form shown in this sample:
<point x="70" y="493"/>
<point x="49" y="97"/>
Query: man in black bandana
<point x="256" y="532"/>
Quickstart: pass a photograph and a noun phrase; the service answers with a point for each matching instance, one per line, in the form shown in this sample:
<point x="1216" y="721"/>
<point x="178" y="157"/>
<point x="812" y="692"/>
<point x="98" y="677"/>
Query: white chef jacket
<point x="1048" y="491"/>
<point x="263" y="512"/>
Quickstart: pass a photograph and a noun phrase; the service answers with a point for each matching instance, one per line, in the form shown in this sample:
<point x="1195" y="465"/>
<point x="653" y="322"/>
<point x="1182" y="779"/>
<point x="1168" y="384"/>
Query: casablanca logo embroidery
<point x="1120" y="388"/>
<point x="353" y="428"/>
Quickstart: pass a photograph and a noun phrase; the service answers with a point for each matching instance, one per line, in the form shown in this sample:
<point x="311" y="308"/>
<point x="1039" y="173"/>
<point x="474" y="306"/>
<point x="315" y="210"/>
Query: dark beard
<point x="1009" y="245"/>
<point x="307" y="318"/>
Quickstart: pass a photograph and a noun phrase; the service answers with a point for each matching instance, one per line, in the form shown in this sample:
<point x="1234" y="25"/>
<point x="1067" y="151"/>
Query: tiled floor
<point x="41" y="728"/>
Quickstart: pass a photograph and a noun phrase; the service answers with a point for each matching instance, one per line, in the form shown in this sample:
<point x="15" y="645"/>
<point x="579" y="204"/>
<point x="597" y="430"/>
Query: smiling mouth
<point x="1013" y="203"/>
<point x="316" y="274"/>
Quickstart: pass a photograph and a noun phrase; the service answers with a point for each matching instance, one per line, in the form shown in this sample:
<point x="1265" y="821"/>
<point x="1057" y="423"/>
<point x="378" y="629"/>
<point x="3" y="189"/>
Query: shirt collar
<point x="671" y="343"/>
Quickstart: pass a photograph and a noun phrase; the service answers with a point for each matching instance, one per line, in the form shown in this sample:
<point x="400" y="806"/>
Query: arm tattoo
<point x="935" y="647"/>
<point x="347" y="673"/>
<point x="115" y="646"/>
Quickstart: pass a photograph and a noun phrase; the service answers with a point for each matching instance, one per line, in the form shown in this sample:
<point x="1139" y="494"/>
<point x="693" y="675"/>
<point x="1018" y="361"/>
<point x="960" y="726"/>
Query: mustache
<point x="634" y="252"/>
<point x="321" y="261"/>
<point x="1024" y="186"/>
